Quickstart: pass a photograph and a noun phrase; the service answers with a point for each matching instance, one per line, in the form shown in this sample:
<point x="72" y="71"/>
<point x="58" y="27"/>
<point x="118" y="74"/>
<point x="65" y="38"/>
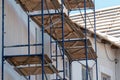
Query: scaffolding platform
<point x="17" y="60"/>
<point x="79" y="54"/>
<point x="31" y="64"/>
<point x="50" y="17"/>
<point x="76" y="4"/>
<point x="71" y="30"/>
<point x="35" y="5"/>
<point x="36" y="70"/>
<point x="74" y="38"/>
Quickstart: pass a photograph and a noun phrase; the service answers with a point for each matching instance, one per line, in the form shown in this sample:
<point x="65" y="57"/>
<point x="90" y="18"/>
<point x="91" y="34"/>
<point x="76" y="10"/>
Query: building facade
<point x="16" y="33"/>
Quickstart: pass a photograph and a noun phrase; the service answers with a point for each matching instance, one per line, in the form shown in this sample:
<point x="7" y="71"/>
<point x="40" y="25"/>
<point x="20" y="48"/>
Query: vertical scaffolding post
<point x="50" y="42"/>
<point x="42" y="21"/>
<point x="28" y="35"/>
<point x="95" y="41"/>
<point x="29" y="38"/>
<point x="3" y="12"/>
<point x="70" y="70"/>
<point x="63" y="50"/>
<point x="86" y="48"/>
<point x="56" y="58"/>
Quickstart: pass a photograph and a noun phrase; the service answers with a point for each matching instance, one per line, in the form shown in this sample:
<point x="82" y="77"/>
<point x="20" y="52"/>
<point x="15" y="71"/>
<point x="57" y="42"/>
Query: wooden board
<point x="75" y="4"/>
<point x="79" y="53"/>
<point x="27" y="60"/>
<point x="71" y="31"/>
<point x="36" y="70"/>
<point x="76" y="43"/>
<point x="35" y="5"/>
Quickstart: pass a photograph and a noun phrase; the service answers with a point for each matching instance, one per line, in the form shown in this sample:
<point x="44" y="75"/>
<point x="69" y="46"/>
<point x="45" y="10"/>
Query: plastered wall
<point x="106" y="63"/>
<point x="15" y="34"/>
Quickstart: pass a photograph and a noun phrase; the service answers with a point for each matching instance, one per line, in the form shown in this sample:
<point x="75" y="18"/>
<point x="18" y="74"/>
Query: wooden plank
<point x="27" y="60"/>
<point x="71" y="31"/>
<point x="75" y="4"/>
<point x="76" y="43"/>
<point x="35" y="5"/>
<point x="79" y="53"/>
<point x="36" y="70"/>
<point x="69" y="26"/>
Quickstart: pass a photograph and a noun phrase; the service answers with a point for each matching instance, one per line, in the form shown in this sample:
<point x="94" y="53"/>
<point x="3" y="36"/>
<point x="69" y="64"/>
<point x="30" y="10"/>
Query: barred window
<point x="90" y="73"/>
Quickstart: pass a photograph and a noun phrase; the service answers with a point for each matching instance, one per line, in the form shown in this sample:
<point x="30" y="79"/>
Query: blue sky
<point x="100" y="4"/>
<point x="106" y="3"/>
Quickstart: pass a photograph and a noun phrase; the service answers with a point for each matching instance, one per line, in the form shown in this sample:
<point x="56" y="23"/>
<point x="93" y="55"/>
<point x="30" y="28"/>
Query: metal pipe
<point x="28" y="35"/>
<point x="29" y="40"/>
<point x="70" y="70"/>
<point x="3" y="12"/>
<point x="51" y="42"/>
<point x="33" y="15"/>
<point x="42" y="21"/>
<point x="56" y="60"/>
<point x="96" y="69"/>
<point x="9" y="56"/>
<point x="60" y="70"/>
<point x="86" y="50"/>
<point x="70" y="40"/>
<point x="62" y="18"/>
<point x="95" y="39"/>
<point x="20" y="45"/>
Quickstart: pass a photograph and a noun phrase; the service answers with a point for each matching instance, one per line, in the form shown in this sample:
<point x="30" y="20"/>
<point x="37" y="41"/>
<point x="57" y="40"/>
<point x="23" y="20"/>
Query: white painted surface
<point x="16" y="32"/>
<point x="76" y="71"/>
<point x="117" y="67"/>
<point x="104" y="64"/>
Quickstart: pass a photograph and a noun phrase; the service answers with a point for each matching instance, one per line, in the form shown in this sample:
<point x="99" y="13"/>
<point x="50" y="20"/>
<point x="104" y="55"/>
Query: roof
<point x="107" y="24"/>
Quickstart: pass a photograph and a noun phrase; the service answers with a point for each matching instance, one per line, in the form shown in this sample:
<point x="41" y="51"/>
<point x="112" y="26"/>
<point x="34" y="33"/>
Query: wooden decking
<point x="76" y="4"/>
<point x="31" y="64"/>
<point x="36" y="70"/>
<point x="73" y="36"/>
<point x="74" y="39"/>
<point x="26" y="60"/>
<point x="35" y="5"/>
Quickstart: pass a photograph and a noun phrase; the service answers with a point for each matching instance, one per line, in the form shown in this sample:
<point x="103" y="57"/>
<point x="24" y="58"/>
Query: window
<point x="90" y="73"/>
<point x="105" y="77"/>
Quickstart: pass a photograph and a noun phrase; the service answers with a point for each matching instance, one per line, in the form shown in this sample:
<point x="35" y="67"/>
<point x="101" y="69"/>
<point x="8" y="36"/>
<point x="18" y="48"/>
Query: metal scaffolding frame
<point x="58" y="43"/>
<point x="84" y="16"/>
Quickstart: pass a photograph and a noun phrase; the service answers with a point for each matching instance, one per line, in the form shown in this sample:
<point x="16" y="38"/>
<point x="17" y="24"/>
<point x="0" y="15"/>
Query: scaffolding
<point x="64" y="33"/>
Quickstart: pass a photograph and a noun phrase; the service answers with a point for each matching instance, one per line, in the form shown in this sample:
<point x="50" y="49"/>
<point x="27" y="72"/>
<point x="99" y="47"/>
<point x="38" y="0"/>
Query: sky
<point x="100" y="4"/>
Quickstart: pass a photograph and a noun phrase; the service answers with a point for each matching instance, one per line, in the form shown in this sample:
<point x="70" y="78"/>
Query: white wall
<point x="117" y="67"/>
<point x="105" y="65"/>
<point x="15" y="33"/>
<point x="76" y="71"/>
